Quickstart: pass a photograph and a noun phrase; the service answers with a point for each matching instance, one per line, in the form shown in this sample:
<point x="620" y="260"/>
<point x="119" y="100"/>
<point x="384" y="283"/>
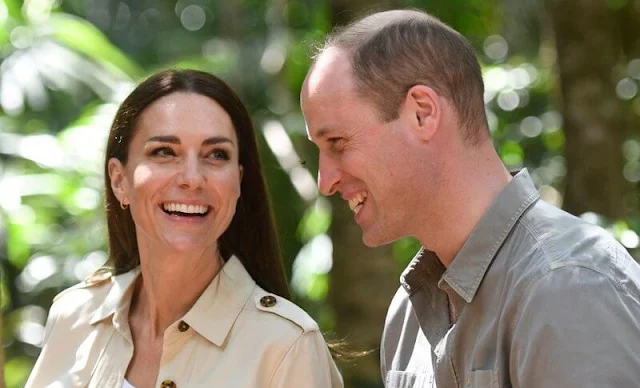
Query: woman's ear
<point x="117" y="177"/>
<point x="423" y="104"/>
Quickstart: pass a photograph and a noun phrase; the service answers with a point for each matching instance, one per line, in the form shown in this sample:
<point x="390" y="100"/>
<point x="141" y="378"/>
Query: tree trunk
<point x="363" y="281"/>
<point x="1" y="355"/>
<point x="596" y="121"/>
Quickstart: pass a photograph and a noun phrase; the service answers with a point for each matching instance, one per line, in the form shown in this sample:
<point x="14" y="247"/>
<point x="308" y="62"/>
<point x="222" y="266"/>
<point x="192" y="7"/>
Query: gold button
<point x="168" y="384"/>
<point x="268" y="301"/>
<point x="183" y="326"/>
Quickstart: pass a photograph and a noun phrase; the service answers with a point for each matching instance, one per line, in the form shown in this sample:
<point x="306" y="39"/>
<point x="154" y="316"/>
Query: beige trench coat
<point x="232" y="337"/>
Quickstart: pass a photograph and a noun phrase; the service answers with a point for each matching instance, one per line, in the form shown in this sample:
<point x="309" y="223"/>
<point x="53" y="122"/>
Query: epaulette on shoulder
<point x="98" y="277"/>
<point x="275" y="304"/>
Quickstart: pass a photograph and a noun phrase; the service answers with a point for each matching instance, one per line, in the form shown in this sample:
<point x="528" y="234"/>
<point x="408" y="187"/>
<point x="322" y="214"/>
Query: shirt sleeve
<point x="39" y="370"/>
<point x="576" y="327"/>
<point x="308" y="363"/>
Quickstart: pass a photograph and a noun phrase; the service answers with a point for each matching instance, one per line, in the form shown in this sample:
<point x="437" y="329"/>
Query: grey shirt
<point x="535" y="298"/>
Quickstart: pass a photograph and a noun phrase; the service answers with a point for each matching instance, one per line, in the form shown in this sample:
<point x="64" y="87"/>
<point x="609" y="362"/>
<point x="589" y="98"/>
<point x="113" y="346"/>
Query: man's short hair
<point x="392" y="51"/>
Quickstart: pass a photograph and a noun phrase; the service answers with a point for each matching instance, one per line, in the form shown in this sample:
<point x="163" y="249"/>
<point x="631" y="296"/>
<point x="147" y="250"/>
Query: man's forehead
<point x="326" y="88"/>
<point x="331" y="72"/>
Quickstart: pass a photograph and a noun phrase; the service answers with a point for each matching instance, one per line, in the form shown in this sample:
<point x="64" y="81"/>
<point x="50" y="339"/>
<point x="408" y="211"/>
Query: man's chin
<point x="372" y="239"/>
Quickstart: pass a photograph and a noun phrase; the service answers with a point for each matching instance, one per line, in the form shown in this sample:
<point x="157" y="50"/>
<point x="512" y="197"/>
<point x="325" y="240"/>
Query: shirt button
<point x="268" y="301"/>
<point x="183" y="326"/>
<point x="168" y="384"/>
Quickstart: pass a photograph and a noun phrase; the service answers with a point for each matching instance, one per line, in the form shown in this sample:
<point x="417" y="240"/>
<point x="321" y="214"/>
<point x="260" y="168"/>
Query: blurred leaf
<point x="511" y="153"/>
<point x="16" y="371"/>
<point x="318" y="287"/>
<point x="215" y="63"/>
<point x="405" y="249"/>
<point x="553" y="140"/>
<point x="296" y="13"/>
<point x="618" y="228"/>
<point x="316" y="220"/>
<point x="5" y="298"/>
<point x="84" y="37"/>
<point x="18" y="249"/>
<point x="14" y="9"/>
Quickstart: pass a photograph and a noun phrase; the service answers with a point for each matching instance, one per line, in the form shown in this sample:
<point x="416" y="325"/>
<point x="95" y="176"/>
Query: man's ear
<point x="117" y="178"/>
<point x="422" y="103"/>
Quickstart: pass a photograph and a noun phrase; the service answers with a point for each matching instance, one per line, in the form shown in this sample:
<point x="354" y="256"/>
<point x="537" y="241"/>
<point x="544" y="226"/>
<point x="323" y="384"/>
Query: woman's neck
<point x="170" y="285"/>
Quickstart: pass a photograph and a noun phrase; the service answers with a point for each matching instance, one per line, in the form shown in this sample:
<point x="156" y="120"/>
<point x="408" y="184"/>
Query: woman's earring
<point x="123" y="206"/>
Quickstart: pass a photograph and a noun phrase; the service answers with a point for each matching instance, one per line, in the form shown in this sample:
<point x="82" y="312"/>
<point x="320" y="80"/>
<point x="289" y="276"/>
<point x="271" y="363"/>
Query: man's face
<point x="366" y="160"/>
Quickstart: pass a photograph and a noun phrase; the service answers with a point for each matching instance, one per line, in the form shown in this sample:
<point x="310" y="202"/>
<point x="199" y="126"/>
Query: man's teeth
<point x="187" y="209"/>
<point x="357" y="202"/>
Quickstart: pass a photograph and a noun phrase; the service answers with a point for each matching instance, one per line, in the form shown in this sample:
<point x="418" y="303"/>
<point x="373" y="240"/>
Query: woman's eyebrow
<point x="176" y="140"/>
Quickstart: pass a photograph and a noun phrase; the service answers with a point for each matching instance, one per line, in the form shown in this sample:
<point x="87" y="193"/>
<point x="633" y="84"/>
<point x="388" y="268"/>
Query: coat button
<point x="183" y="326"/>
<point x="268" y="301"/>
<point x="168" y="384"/>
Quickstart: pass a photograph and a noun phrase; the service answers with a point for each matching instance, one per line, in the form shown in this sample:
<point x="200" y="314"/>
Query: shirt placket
<point x="175" y="338"/>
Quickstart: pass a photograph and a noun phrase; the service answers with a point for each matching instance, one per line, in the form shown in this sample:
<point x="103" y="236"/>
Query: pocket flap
<point x="482" y="378"/>
<point x="399" y="379"/>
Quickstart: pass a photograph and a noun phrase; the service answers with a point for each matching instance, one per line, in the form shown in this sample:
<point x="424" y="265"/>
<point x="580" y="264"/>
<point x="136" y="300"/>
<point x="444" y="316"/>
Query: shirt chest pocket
<point x="398" y="379"/>
<point x="487" y="378"/>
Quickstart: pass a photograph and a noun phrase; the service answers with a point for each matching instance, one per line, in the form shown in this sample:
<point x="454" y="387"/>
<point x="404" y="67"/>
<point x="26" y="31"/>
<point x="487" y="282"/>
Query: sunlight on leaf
<point x="18" y="244"/>
<point x="84" y="37"/>
<point x="316" y="220"/>
<point x="553" y="140"/>
<point x="511" y="153"/>
<point x="404" y="250"/>
<point x="16" y="371"/>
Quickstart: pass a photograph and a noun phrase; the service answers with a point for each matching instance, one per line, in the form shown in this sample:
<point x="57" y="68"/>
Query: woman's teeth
<point x="187" y="209"/>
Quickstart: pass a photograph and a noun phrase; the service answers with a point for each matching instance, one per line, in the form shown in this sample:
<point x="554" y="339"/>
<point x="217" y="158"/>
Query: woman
<point x="196" y="296"/>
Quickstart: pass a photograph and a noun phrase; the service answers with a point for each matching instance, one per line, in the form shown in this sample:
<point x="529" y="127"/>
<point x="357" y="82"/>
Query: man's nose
<point x="329" y="175"/>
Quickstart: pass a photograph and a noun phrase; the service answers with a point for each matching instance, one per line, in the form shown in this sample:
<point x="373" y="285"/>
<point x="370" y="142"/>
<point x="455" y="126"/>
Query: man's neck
<point x="474" y="181"/>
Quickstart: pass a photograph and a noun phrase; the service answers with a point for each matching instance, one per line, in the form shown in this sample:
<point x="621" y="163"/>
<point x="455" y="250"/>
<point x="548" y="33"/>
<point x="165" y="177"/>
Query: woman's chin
<point x="186" y="245"/>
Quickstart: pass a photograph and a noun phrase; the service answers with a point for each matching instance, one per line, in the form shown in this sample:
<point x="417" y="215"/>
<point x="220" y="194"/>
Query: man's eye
<point x="163" y="151"/>
<point x="337" y="143"/>
<point x="219" y="155"/>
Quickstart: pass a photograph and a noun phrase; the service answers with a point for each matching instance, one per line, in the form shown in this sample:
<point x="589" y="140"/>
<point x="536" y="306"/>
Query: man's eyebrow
<point x="322" y="133"/>
<point x="175" y="140"/>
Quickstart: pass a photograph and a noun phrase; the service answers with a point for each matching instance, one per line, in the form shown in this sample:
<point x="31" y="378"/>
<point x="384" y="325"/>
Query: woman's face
<point x="182" y="177"/>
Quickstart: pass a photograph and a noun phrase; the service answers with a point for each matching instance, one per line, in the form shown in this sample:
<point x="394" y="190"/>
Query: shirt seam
<point x="610" y="249"/>
<point x="553" y="268"/>
<point x="275" y="372"/>
<point x="55" y="317"/>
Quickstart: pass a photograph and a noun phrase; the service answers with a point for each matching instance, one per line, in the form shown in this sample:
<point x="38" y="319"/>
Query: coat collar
<point x="212" y="315"/>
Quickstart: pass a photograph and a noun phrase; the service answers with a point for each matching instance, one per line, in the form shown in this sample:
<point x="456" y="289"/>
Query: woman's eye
<point x="163" y="151"/>
<point x="219" y="155"/>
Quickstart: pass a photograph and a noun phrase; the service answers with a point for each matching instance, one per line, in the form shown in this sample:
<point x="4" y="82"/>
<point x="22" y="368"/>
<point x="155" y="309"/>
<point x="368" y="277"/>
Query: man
<point x="507" y="290"/>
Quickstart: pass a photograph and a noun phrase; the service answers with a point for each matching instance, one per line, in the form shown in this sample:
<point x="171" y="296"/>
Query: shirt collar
<point x="213" y="314"/>
<point x="116" y="299"/>
<point x="469" y="266"/>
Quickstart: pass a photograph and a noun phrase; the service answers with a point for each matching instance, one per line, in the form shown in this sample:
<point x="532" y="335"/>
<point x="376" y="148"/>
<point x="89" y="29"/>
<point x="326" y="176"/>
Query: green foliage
<point x="52" y="137"/>
<point x="404" y="250"/>
<point x="315" y="221"/>
<point x="16" y="371"/>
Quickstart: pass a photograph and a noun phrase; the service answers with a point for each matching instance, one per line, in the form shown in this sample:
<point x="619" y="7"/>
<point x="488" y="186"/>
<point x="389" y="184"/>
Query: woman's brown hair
<point x="251" y="236"/>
